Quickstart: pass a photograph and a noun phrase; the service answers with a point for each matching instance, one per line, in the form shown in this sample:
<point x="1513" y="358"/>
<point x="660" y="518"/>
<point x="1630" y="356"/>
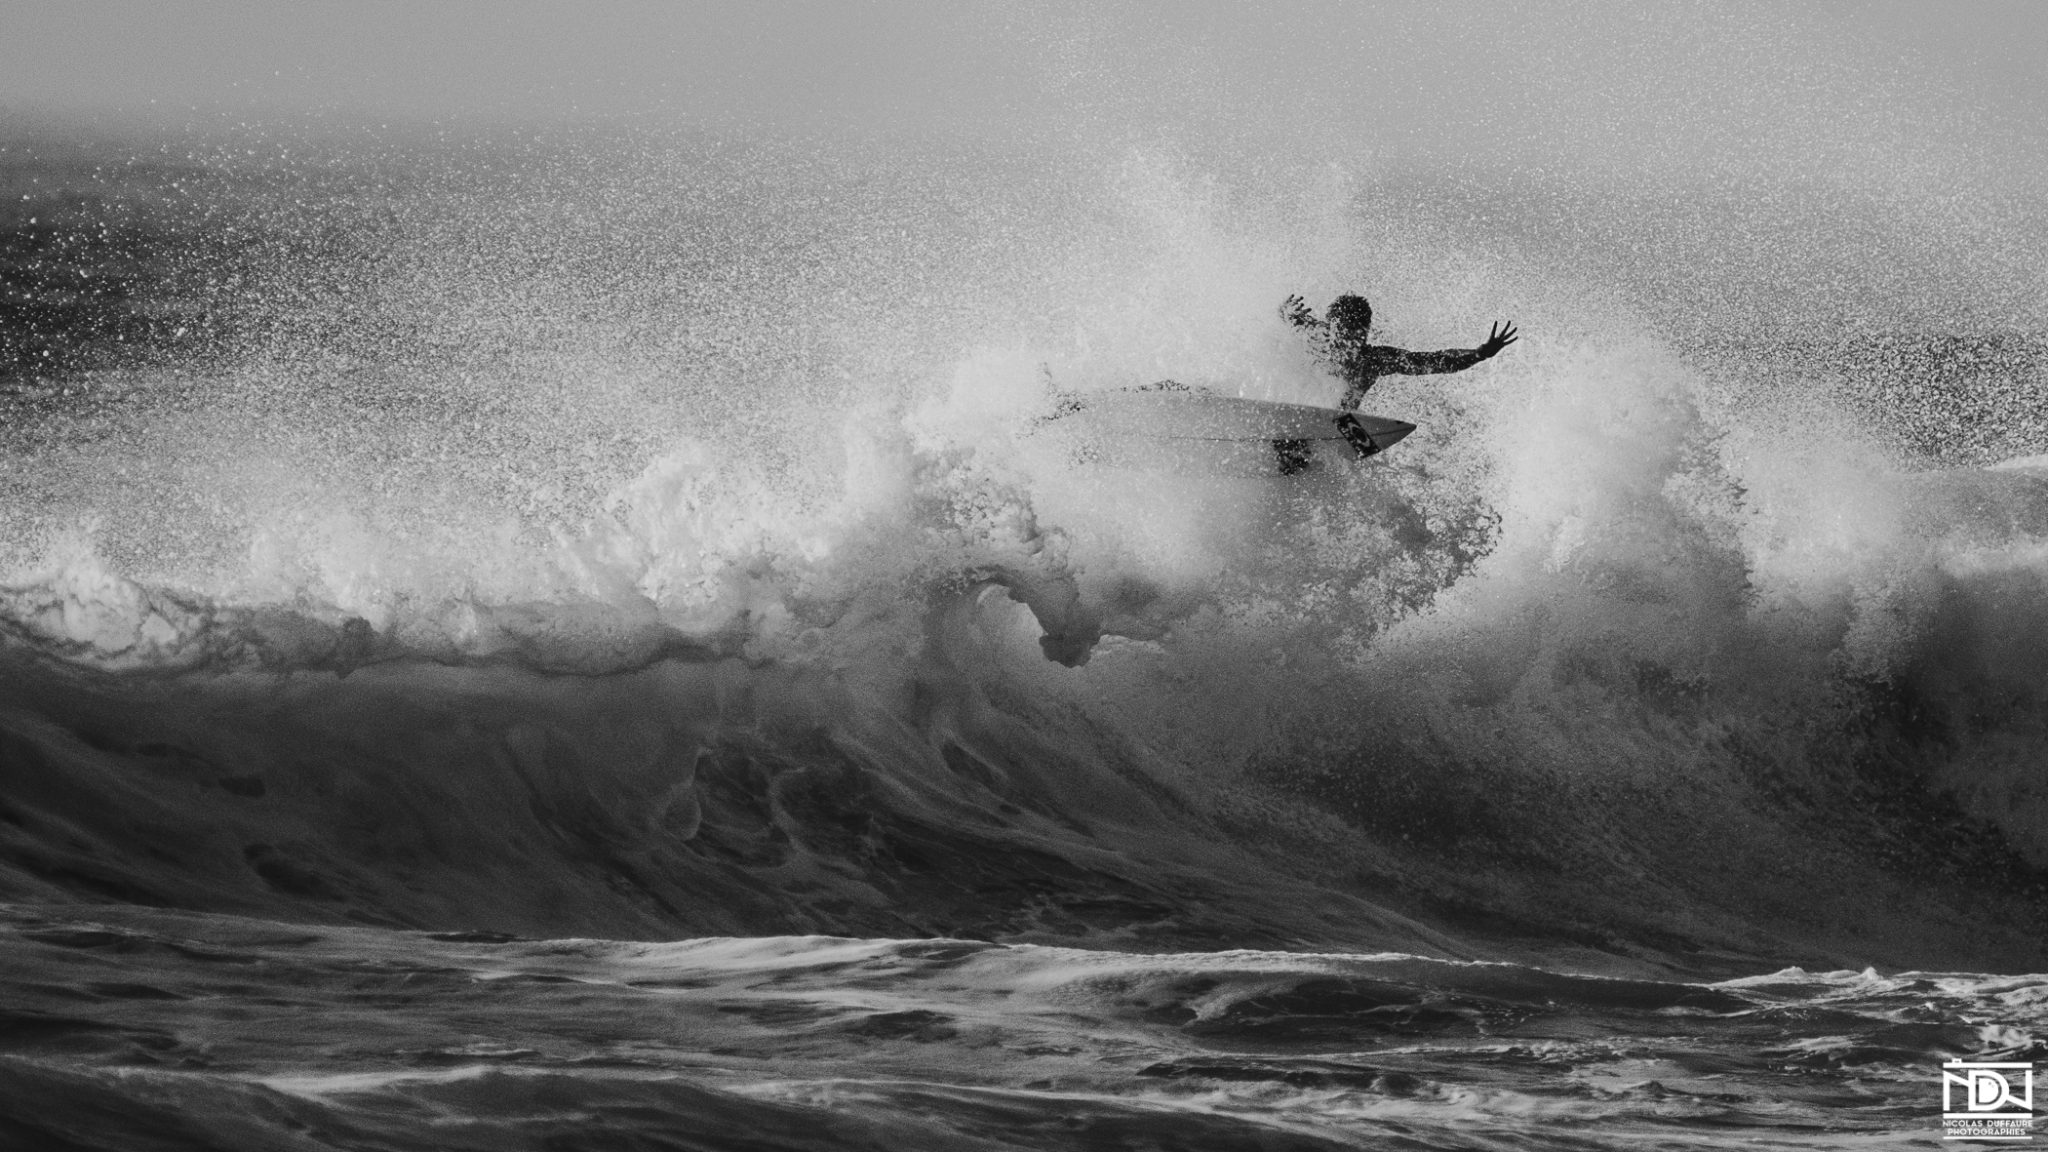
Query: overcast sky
<point x="1572" y="85"/>
<point x="1930" y="115"/>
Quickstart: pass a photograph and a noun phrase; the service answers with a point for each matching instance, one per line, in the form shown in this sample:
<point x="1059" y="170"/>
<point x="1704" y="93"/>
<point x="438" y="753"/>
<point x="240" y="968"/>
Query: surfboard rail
<point x="1198" y="415"/>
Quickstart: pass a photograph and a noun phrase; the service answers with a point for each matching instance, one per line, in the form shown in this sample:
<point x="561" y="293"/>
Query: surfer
<point x="1339" y="344"/>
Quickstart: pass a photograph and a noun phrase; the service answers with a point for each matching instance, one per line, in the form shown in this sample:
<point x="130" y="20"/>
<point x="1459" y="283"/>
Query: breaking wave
<point x="664" y="542"/>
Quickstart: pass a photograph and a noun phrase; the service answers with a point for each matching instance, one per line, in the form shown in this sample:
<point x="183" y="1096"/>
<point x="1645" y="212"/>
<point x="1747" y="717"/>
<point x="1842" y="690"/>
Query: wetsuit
<point x="1361" y="367"/>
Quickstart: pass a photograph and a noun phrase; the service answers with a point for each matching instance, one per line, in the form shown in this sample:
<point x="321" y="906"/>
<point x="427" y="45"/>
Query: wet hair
<point x="1350" y="313"/>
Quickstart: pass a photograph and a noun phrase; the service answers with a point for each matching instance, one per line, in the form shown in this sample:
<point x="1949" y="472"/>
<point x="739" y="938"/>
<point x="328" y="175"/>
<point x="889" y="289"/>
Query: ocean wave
<point x="134" y="1019"/>
<point x="611" y="580"/>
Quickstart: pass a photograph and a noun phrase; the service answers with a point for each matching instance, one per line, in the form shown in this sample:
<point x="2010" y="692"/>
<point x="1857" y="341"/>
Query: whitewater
<point x="585" y="641"/>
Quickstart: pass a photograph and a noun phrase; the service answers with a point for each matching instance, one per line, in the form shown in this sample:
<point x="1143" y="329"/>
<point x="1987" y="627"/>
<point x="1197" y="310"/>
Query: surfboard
<point x="1193" y="429"/>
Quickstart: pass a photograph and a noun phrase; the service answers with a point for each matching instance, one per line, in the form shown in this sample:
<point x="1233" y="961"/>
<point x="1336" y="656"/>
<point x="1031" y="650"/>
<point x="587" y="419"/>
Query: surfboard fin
<point x="1360" y="440"/>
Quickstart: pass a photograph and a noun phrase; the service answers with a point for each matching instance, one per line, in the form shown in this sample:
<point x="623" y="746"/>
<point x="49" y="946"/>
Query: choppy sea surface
<point x="534" y="641"/>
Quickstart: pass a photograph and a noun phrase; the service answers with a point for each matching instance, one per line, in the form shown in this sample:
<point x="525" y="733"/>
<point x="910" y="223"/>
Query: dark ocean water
<point x="556" y="643"/>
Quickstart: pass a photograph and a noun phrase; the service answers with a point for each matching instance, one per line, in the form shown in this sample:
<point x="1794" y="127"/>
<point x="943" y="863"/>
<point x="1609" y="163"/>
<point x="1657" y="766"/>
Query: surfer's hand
<point x="1500" y="337"/>
<point x="1295" y="311"/>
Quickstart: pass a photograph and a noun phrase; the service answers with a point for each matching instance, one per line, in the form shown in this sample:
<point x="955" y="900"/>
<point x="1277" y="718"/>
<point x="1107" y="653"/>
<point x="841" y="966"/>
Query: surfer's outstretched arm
<point x="1296" y="311"/>
<point x="1401" y="362"/>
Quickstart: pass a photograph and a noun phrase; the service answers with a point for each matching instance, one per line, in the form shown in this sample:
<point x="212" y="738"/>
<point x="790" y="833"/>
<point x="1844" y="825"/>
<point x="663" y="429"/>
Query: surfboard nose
<point x="1391" y="433"/>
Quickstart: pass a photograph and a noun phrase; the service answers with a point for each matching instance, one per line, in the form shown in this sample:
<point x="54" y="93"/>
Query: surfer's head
<point x="1350" y="317"/>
